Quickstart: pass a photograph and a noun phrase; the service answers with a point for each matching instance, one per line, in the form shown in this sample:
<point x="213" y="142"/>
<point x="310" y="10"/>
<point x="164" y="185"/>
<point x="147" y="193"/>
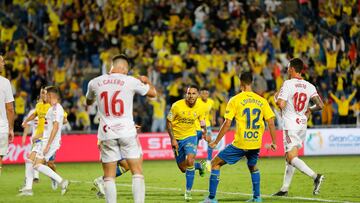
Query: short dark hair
<point x="297" y="64"/>
<point x="193" y="86"/>
<point x="204" y="89"/>
<point x="53" y="89"/>
<point x="246" y="78"/>
<point x="120" y="57"/>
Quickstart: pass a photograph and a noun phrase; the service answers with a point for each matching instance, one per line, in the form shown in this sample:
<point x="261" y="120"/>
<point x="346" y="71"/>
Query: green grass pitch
<point x="165" y="183"/>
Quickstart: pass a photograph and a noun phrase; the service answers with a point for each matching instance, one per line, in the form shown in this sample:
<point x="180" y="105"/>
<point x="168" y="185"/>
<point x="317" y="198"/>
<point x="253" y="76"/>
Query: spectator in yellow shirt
<point x="331" y="56"/>
<point x="82" y="119"/>
<point x="20" y="105"/>
<point x="158" y="119"/>
<point x="343" y="106"/>
<point x="175" y="90"/>
<point x="327" y="112"/>
<point x="7" y="33"/>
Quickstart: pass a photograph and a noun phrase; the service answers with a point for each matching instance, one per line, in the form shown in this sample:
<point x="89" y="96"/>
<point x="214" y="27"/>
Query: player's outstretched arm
<point x="28" y="119"/>
<point x="318" y="104"/>
<point x="224" y="128"/>
<point x="272" y="129"/>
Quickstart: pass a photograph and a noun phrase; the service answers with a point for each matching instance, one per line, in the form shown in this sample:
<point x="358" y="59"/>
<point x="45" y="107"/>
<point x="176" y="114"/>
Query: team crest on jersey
<point x="170" y="116"/>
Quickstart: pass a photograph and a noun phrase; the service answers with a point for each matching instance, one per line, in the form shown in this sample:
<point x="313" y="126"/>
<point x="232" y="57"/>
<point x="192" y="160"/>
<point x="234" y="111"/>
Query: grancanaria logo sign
<point x="315" y="141"/>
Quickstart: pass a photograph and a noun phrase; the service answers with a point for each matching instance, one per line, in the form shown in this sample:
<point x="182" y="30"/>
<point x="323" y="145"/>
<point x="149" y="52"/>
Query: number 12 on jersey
<point x="115" y="102"/>
<point x="252" y="124"/>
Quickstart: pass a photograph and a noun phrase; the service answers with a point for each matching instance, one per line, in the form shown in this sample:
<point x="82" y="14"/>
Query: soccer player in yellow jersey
<point x="249" y="110"/>
<point x="41" y="109"/>
<point x="181" y="126"/>
<point x="208" y="105"/>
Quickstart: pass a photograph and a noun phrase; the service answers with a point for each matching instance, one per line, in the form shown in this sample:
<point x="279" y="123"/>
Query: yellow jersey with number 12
<point x="249" y="110"/>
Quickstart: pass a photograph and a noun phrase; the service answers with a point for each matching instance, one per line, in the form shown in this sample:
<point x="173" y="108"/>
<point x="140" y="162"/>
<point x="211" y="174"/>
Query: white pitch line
<point x="221" y="192"/>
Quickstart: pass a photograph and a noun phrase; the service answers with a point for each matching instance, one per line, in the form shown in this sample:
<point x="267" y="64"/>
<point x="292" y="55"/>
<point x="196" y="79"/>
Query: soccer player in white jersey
<point x="114" y="94"/>
<point x="30" y="127"/>
<point x="47" y="146"/>
<point x="293" y="99"/>
<point x="6" y="114"/>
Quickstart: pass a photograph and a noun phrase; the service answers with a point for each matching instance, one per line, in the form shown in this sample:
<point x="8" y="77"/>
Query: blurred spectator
<point x="158" y="117"/>
<point x="343" y="106"/>
<point x="327" y="112"/>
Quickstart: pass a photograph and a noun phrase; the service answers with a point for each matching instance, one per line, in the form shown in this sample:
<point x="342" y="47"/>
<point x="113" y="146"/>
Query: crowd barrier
<point x="157" y="146"/>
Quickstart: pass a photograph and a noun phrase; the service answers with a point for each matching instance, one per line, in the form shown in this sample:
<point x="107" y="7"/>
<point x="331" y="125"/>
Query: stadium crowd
<point x="178" y="42"/>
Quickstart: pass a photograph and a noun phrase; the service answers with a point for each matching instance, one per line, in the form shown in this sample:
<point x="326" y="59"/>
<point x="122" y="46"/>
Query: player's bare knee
<point x="289" y="157"/>
<point x="190" y="161"/>
<point x="124" y="165"/>
<point x="36" y="166"/>
<point x="252" y="169"/>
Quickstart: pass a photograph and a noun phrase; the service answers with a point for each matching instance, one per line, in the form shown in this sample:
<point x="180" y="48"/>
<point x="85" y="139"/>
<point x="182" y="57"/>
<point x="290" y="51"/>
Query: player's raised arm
<point x="318" y="104"/>
<point x="152" y="90"/>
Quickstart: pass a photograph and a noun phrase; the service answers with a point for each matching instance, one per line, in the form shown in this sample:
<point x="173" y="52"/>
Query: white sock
<point x="301" y="166"/>
<point x="36" y="174"/>
<point x="110" y="190"/>
<point x="29" y="175"/>
<point x="48" y="172"/>
<point x="138" y="188"/>
<point x="289" y="172"/>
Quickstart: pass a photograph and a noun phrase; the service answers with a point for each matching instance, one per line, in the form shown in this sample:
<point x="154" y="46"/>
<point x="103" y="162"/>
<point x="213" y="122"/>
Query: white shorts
<point x="39" y="149"/>
<point x="293" y="138"/>
<point x="121" y="148"/>
<point x="4" y="143"/>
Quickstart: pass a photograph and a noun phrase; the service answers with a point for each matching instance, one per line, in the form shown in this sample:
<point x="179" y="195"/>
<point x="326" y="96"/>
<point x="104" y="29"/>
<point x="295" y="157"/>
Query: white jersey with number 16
<point x="114" y="95"/>
<point x="297" y="94"/>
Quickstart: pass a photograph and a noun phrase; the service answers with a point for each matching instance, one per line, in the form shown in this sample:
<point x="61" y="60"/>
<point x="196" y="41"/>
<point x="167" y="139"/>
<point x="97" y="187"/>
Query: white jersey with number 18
<point x="114" y="95"/>
<point x="297" y="94"/>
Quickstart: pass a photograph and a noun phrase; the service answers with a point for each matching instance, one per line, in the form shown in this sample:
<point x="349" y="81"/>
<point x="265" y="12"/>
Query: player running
<point x="114" y="93"/>
<point x="121" y="168"/>
<point x="37" y="118"/>
<point x="46" y="146"/>
<point x="249" y="110"/>
<point x="181" y="126"/>
<point x="30" y="127"/>
<point x="208" y="105"/>
<point x="293" y="99"/>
